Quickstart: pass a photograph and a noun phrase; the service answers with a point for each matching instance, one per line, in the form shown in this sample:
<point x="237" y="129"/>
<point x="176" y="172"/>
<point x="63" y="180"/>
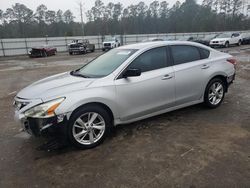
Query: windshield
<point x="224" y="35"/>
<point x="109" y="39"/>
<point x="104" y="64"/>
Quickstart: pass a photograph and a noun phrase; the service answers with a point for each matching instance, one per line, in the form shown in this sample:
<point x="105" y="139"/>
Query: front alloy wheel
<point x="89" y="126"/>
<point x="215" y="93"/>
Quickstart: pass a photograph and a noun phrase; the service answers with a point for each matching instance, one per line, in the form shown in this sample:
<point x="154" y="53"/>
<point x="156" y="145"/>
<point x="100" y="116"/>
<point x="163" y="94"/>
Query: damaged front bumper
<point x="40" y="126"/>
<point x="36" y="126"/>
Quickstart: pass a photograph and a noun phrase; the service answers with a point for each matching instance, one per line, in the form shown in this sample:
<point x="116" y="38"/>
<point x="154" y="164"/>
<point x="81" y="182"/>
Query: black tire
<point x="70" y="53"/>
<point x="103" y="50"/>
<point x="239" y="43"/>
<point x="227" y="44"/>
<point x="207" y="102"/>
<point x="45" y="54"/>
<point x="85" y="109"/>
<point x="85" y="51"/>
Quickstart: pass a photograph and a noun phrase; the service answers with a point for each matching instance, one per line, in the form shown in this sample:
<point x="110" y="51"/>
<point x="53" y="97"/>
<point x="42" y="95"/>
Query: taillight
<point x="232" y="61"/>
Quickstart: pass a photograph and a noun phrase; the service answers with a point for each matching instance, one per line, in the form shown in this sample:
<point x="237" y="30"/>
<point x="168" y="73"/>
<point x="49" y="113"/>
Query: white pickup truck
<point x="110" y="43"/>
<point x="226" y="39"/>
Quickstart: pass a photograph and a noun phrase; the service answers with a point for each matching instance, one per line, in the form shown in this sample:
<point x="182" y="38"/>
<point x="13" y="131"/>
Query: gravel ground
<point x="192" y="147"/>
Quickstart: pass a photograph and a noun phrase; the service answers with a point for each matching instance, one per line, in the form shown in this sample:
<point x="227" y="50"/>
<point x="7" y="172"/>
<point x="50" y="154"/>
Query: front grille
<point x="215" y="42"/>
<point x="74" y="46"/>
<point x="107" y="44"/>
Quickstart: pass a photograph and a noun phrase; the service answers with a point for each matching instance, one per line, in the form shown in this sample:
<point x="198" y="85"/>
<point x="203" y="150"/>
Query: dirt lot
<point x="192" y="147"/>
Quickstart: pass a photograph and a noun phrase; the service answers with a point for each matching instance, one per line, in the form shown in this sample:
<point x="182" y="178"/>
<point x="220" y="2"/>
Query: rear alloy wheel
<point x="88" y="127"/>
<point x="214" y="93"/>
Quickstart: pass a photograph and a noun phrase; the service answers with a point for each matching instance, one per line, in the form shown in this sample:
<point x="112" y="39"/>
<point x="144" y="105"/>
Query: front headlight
<point x="45" y="110"/>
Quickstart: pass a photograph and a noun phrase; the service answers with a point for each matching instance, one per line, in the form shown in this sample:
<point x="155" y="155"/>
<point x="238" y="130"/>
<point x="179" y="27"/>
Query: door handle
<point x="205" y="67"/>
<point x="167" y="77"/>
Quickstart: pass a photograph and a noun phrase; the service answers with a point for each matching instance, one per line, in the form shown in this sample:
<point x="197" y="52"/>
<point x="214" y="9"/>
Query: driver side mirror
<point x="132" y="73"/>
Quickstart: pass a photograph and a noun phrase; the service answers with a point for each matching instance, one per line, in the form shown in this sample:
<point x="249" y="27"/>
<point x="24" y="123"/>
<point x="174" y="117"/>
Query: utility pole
<point x="81" y="13"/>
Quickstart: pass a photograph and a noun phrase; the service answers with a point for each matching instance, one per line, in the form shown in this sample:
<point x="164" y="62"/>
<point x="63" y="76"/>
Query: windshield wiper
<point x="74" y="73"/>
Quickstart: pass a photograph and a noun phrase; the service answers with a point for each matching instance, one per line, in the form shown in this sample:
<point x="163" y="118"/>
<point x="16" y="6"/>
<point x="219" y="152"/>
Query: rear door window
<point x="185" y="54"/>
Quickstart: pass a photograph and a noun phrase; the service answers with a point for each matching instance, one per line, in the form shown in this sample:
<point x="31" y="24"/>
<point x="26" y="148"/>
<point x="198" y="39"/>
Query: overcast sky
<point x="69" y="4"/>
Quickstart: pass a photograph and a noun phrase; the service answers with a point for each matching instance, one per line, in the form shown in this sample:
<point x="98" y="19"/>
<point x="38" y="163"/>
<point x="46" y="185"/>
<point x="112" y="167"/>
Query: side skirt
<point x="119" y="122"/>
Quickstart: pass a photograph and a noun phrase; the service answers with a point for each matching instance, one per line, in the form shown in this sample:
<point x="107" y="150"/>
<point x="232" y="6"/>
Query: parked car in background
<point x="226" y="39"/>
<point x="124" y="85"/>
<point x="185" y="38"/>
<point x="206" y="39"/>
<point x="110" y="43"/>
<point x="42" y="51"/>
<point x="152" y="40"/>
<point x="80" y="47"/>
<point x="245" y="38"/>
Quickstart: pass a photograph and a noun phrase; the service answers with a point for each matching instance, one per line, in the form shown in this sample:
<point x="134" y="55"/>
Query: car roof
<point x="145" y="45"/>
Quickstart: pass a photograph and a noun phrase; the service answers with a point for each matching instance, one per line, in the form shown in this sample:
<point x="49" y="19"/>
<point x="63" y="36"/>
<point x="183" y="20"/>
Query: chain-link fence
<point x="22" y="46"/>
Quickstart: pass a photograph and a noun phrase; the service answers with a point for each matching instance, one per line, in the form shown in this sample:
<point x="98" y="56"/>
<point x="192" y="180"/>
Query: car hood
<point x="54" y="86"/>
<point x="220" y="39"/>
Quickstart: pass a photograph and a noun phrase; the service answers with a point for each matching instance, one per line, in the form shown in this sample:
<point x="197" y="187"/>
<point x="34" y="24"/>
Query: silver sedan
<point x="124" y="85"/>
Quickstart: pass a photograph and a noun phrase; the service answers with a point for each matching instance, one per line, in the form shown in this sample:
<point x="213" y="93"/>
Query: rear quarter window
<point x="204" y="53"/>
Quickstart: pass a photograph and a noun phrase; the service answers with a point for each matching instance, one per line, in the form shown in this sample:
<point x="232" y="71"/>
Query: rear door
<point x="191" y="66"/>
<point x="152" y="91"/>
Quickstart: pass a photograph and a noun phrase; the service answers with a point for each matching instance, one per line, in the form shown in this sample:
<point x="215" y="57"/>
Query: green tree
<point x="108" y="11"/>
<point x="41" y="13"/>
<point x="236" y="6"/>
<point x="59" y="16"/>
<point x="113" y="18"/>
<point x="98" y="10"/>
<point x="68" y="16"/>
<point x="164" y="10"/>
<point x="1" y="14"/>
<point x="21" y="15"/>
<point x="50" y="16"/>
<point x="153" y="7"/>
<point x="208" y="3"/>
<point x="117" y="11"/>
<point x="142" y="9"/>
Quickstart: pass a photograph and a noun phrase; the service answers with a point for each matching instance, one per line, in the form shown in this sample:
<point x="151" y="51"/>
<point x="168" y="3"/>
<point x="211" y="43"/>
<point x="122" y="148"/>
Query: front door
<point x="151" y="92"/>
